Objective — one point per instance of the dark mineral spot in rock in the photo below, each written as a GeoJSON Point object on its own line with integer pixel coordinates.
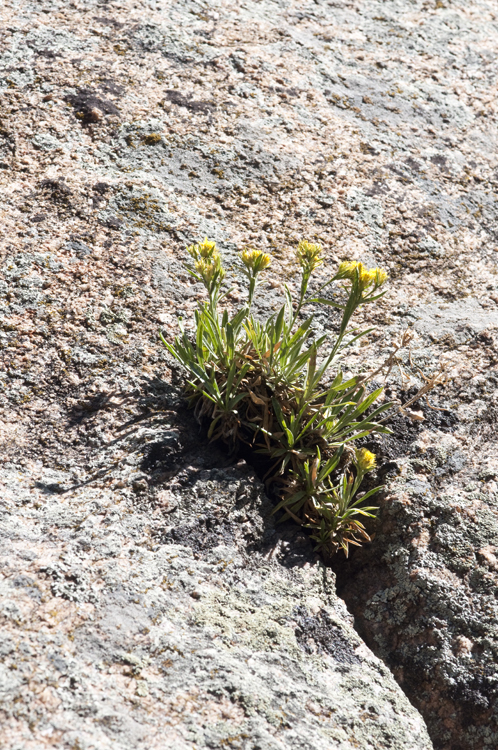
{"type": "Point", "coordinates": [57, 188]}
{"type": "Point", "coordinates": [175, 97]}
{"type": "Point", "coordinates": [413, 164]}
{"type": "Point", "coordinates": [50, 487]}
{"type": "Point", "coordinates": [79, 248]}
{"type": "Point", "coordinates": [100, 188]}
{"type": "Point", "coordinates": [29, 585]}
{"type": "Point", "coordinates": [439, 161]}
{"type": "Point", "coordinates": [86, 101]}
{"type": "Point", "coordinates": [50, 54]}
{"type": "Point", "coordinates": [318, 634]}
{"type": "Point", "coordinates": [112, 222]}
{"type": "Point", "coordinates": [108, 22]}
{"type": "Point", "coordinates": [378, 188]}
{"type": "Point", "coordinates": [207, 532]}
{"type": "Point", "coordinates": [110, 86]}
{"type": "Point", "coordinates": [367, 148]}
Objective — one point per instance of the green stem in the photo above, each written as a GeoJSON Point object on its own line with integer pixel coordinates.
{"type": "Point", "coordinates": [252, 289]}
{"type": "Point", "coordinates": [359, 479]}
{"type": "Point", "coordinates": [352, 305]}
{"type": "Point", "coordinates": [304, 288]}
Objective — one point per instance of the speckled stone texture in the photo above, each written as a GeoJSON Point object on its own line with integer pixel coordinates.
{"type": "Point", "coordinates": [148, 598]}
{"type": "Point", "coordinates": [118, 634]}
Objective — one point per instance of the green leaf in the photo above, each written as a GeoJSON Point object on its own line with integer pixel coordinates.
{"type": "Point", "coordinates": [325, 301]}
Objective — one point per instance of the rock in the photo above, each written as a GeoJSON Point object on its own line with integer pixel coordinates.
{"type": "Point", "coordinates": [167, 501]}
{"type": "Point", "coordinates": [94, 114]}
{"type": "Point", "coordinates": [147, 591]}
{"type": "Point", "coordinates": [140, 485]}
{"type": "Point", "coordinates": [222, 636]}
{"type": "Point", "coordinates": [423, 594]}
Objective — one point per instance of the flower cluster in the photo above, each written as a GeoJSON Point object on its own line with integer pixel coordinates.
{"type": "Point", "coordinates": [255, 260]}
{"type": "Point", "coordinates": [353, 270]}
{"type": "Point", "coordinates": [308, 255]}
{"type": "Point", "coordinates": [206, 249]}
{"type": "Point", "coordinates": [207, 266]}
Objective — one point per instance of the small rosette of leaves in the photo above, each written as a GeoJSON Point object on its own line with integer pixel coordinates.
{"type": "Point", "coordinates": [262, 383]}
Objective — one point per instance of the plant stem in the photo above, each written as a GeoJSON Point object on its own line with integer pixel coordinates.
{"type": "Point", "coordinates": [252, 289]}
{"type": "Point", "coordinates": [304, 288]}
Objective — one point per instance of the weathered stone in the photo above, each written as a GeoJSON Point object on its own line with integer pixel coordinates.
{"type": "Point", "coordinates": [126, 133]}
{"type": "Point", "coordinates": [115, 633]}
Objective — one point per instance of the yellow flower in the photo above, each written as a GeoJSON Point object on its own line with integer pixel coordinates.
{"type": "Point", "coordinates": [255, 260]}
{"type": "Point", "coordinates": [376, 276]}
{"type": "Point", "coordinates": [350, 269]}
{"type": "Point", "coordinates": [380, 276]}
{"type": "Point", "coordinates": [206, 249]}
{"type": "Point", "coordinates": [207, 268]}
{"type": "Point", "coordinates": [365, 460]}
{"type": "Point", "coordinates": [347, 270]}
{"type": "Point", "coordinates": [365, 276]}
{"type": "Point", "coordinates": [308, 255]}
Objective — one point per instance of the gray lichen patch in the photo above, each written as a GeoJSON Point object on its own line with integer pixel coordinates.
{"type": "Point", "coordinates": [145, 210]}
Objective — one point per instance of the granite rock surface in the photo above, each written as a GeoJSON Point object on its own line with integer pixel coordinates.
{"type": "Point", "coordinates": [148, 599]}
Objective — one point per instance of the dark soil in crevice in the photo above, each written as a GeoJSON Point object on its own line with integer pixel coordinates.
{"type": "Point", "coordinates": [318, 634]}
{"type": "Point", "coordinates": [183, 455]}
{"type": "Point", "coordinates": [207, 532]}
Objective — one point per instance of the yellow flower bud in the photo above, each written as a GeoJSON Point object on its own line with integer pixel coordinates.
{"type": "Point", "coordinates": [347, 270]}
{"type": "Point", "coordinates": [207, 268]}
{"type": "Point", "coordinates": [365, 277]}
{"type": "Point", "coordinates": [365, 460]}
{"type": "Point", "coordinates": [206, 249]}
{"type": "Point", "coordinates": [255, 260]}
{"type": "Point", "coordinates": [308, 255]}
{"type": "Point", "coordinates": [380, 276]}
